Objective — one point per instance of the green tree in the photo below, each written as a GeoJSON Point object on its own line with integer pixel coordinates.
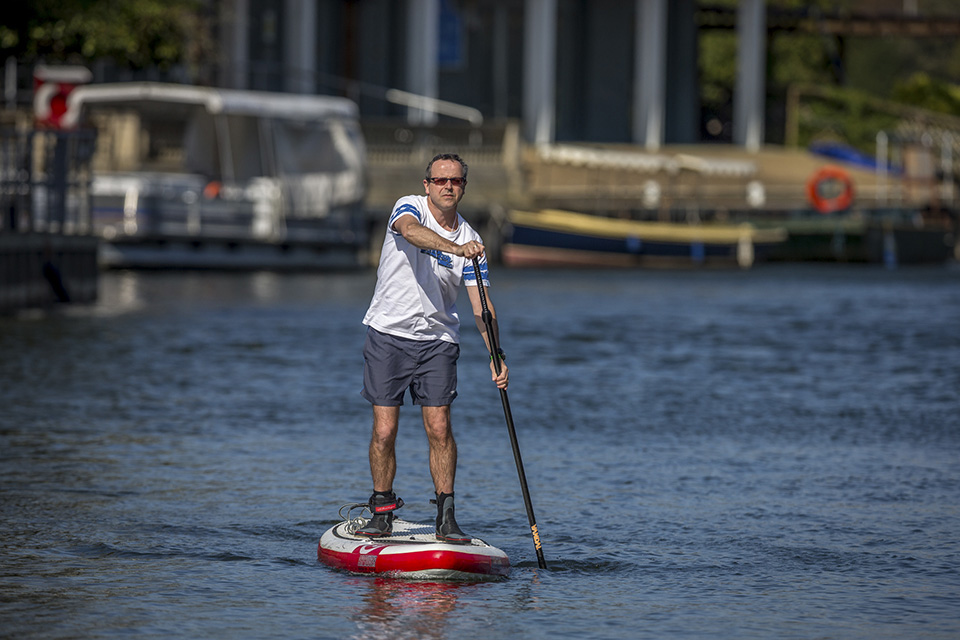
{"type": "Point", "coordinates": [920, 90]}
{"type": "Point", "coordinates": [135, 33]}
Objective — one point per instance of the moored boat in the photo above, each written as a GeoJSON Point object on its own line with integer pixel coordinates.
{"type": "Point", "coordinates": [187, 176]}
{"type": "Point", "coordinates": [564, 238]}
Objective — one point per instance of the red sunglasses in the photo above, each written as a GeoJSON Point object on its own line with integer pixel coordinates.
{"type": "Point", "coordinates": [457, 182]}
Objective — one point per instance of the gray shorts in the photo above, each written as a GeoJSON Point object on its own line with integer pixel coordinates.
{"type": "Point", "coordinates": [391, 365]}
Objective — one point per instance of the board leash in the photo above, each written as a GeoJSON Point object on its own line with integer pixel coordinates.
{"type": "Point", "coordinates": [487, 318]}
{"type": "Point", "coordinates": [358, 522]}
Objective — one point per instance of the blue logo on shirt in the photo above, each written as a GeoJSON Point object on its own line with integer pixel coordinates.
{"type": "Point", "coordinates": [442, 259]}
{"type": "Point", "coordinates": [469, 275]}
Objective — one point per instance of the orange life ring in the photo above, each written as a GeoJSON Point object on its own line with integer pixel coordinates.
{"type": "Point", "coordinates": [839, 201]}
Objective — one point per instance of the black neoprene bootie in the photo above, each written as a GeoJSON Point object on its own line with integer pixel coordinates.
{"type": "Point", "coordinates": [382, 505]}
{"type": "Point", "coordinates": [447, 529]}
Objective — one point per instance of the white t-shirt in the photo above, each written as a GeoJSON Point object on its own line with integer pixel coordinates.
{"type": "Point", "coordinates": [416, 293]}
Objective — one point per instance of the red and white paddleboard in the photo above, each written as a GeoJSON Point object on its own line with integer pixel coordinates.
{"type": "Point", "coordinates": [412, 552]}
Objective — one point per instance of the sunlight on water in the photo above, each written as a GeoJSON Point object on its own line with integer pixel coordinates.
{"type": "Point", "coordinates": [724, 454]}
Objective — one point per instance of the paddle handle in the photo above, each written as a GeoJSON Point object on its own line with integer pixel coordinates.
{"type": "Point", "coordinates": [487, 318]}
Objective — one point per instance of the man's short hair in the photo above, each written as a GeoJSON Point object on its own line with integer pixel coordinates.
{"type": "Point", "coordinates": [446, 156]}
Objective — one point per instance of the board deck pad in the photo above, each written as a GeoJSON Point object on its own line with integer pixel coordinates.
{"type": "Point", "coordinates": [412, 552]}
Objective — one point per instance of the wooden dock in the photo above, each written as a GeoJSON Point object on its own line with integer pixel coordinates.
{"type": "Point", "coordinates": [41, 270]}
{"type": "Point", "coordinates": [48, 253]}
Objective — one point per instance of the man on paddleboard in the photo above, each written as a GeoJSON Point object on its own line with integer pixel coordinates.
{"type": "Point", "coordinates": [413, 336]}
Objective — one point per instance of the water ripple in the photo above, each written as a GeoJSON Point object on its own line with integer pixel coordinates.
{"type": "Point", "coordinates": [771, 453]}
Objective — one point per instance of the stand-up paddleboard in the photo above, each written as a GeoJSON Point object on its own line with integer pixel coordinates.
{"type": "Point", "coordinates": [411, 552]}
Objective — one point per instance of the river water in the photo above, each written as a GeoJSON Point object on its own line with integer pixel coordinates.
{"type": "Point", "coordinates": [710, 453]}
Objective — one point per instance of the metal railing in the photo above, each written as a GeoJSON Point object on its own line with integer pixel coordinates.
{"type": "Point", "coordinates": [45, 179]}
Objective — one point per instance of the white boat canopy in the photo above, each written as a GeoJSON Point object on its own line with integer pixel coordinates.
{"type": "Point", "coordinates": [215, 101]}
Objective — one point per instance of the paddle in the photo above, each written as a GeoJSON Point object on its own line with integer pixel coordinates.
{"type": "Point", "coordinates": [487, 318]}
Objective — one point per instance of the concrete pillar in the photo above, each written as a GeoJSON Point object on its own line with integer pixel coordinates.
{"type": "Point", "coordinates": [236, 52]}
{"type": "Point", "coordinates": [649, 73]}
{"type": "Point", "coordinates": [682, 103]}
{"type": "Point", "coordinates": [749, 94]}
{"type": "Point", "coordinates": [501, 61]}
{"type": "Point", "coordinates": [423, 42]}
{"type": "Point", "coordinates": [539, 70]}
{"type": "Point", "coordinates": [300, 46]}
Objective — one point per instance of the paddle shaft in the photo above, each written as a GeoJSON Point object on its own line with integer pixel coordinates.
{"type": "Point", "coordinates": [487, 318]}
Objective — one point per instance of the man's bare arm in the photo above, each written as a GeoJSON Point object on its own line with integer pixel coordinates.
{"type": "Point", "coordinates": [423, 238]}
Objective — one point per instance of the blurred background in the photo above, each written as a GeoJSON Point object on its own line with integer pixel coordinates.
{"type": "Point", "coordinates": [247, 134]}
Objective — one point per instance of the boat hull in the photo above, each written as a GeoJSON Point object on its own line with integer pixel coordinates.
{"type": "Point", "coordinates": [560, 238]}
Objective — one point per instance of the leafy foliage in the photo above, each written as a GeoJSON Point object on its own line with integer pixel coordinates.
{"type": "Point", "coordinates": [137, 33]}
{"type": "Point", "coordinates": [843, 115]}
{"type": "Point", "coordinates": [923, 91]}
{"type": "Point", "coordinates": [852, 74]}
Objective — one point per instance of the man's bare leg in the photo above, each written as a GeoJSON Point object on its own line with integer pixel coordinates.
{"type": "Point", "coordinates": [443, 447]}
{"type": "Point", "coordinates": [383, 468]}
{"type": "Point", "coordinates": [443, 468]}
{"type": "Point", "coordinates": [383, 455]}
